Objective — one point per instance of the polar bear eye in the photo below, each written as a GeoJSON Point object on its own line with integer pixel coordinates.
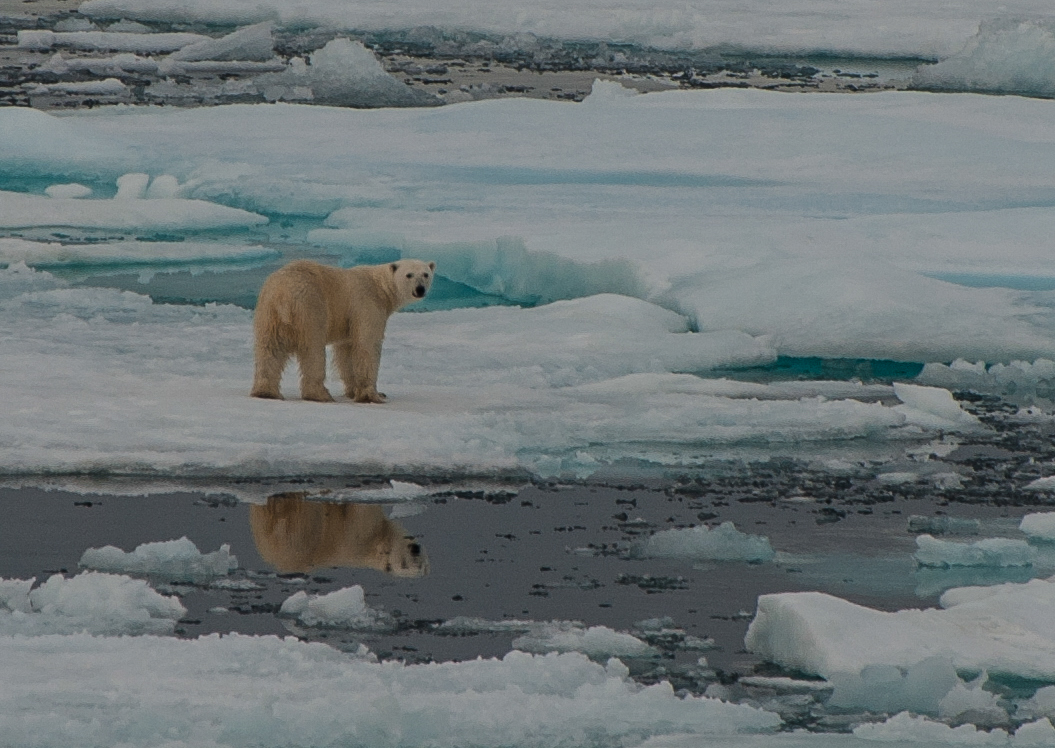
{"type": "Point", "coordinates": [410, 275]}
{"type": "Point", "coordinates": [426, 275]}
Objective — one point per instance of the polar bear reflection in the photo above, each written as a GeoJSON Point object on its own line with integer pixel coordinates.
{"type": "Point", "coordinates": [296, 535]}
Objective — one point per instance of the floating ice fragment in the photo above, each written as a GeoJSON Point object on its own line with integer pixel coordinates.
{"type": "Point", "coordinates": [173, 560]}
{"type": "Point", "coordinates": [596, 642]}
{"type": "Point", "coordinates": [723, 543]}
{"type": "Point", "coordinates": [919, 688]}
{"type": "Point", "coordinates": [345, 609]}
{"type": "Point", "coordinates": [106, 87]}
{"type": "Point", "coordinates": [252, 43]}
{"type": "Point", "coordinates": [943, 525]}
{"type": "Point", "coordinates": [107, 40]}
{"type": "Point", "coordinates": [998, 552]}
{"type": "Point", "coordinates": [605, 91]}
{"type": "Point", "coordinates": [90, 602]}
{"type": "Point", "coordinates": [972, 703]}
{"type": "Point", "coordinates": [933, 407]}
{"type": "Point", "coordinates": [1039, 733]}
{"type": "Point", "coordinates": [1039, 525]}
{"type": "Point", "coordinates": [1004, 629]}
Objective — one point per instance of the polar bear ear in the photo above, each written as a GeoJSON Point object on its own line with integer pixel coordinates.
{"type": "Point", "coordinates": [394, 266]}
{"type": "Point", "coordinates": [432, 266]}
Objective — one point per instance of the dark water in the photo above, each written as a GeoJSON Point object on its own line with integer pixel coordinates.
{"type": "Point", "coordinates": [535, 552]}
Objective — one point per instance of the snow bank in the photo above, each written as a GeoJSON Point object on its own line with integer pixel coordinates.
{"type": "Point", "coordinates": [90, 602]}
{"type": "Point", "coordinates": [900, 28]}
{"type": "Point", "coordinates": [596, 642]}
{"type": "Point", "coordinates": [19, 210]}
{"type": "Point", "coordinates": [1007, 55]}
{"type": "Point", "coordinates": [1039, 525]}
{"type": "Point", "coordinates": [48, 255]}
{"type": "Point", "coordinates": [173, 560]}
{"type": "Point", "coordinates": [344, 609]}
{"type": "Point", "coordinates": [263, 691]}
{"type": "Point", "coordinates": [1004, 629]}
{"type": "Point", "coordinates": [723, 543]}
{"type": "Point", "coordinates": [997, 552]}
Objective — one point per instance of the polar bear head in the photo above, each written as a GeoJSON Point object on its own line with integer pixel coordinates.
{"type": "Point", "coordinates": [413, 278]}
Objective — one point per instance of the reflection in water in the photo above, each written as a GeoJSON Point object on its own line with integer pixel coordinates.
{"type": "Point", "coordinates": [296, 535]}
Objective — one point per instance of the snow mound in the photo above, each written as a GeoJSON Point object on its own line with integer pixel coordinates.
{"type": "Point", "coordinates": [343, 609]}
{"type": "Point", "coordinates": [1007, 55]}
{"type": "Point", "coordinates": [995, 552]}
{"type": "Point", "coordinates": [89, 602]}
{"type": "Point", "coordinates": [1004, 629]}
{"type": "Point", "coordinates": [1039, 525]}
{"type": "Point", "coordinates": [172, 560]}
{"type": "Point", "coordinates": [723, 543]}
{"type": "Point", "coordinates": [596, 642]}
{"type": "Point", "coordinates": [264, 691]}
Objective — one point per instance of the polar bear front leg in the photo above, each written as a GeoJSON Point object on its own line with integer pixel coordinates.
{"type": "Point", "coordinates": [358, 366]}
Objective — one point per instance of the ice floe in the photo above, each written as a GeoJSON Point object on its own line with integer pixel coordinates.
{"type": "Point", "coordinates": [1003, 629]}
{"type": "Point", "coordinates": [172, 560]}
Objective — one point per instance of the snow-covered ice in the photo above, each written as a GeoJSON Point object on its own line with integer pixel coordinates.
{"type": "Point", "coordinates": [172, 560]}
{"type": "Point", "coordinates": [246, 690]}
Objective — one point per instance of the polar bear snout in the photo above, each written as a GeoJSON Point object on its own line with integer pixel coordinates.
{"type": "Point", "coordinates": [419, 292]}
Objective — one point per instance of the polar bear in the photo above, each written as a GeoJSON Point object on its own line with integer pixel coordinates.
{"type": "Point", "coordinates": [305, 306]}
{"type": "Point", "coordinates": [294, 534]}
